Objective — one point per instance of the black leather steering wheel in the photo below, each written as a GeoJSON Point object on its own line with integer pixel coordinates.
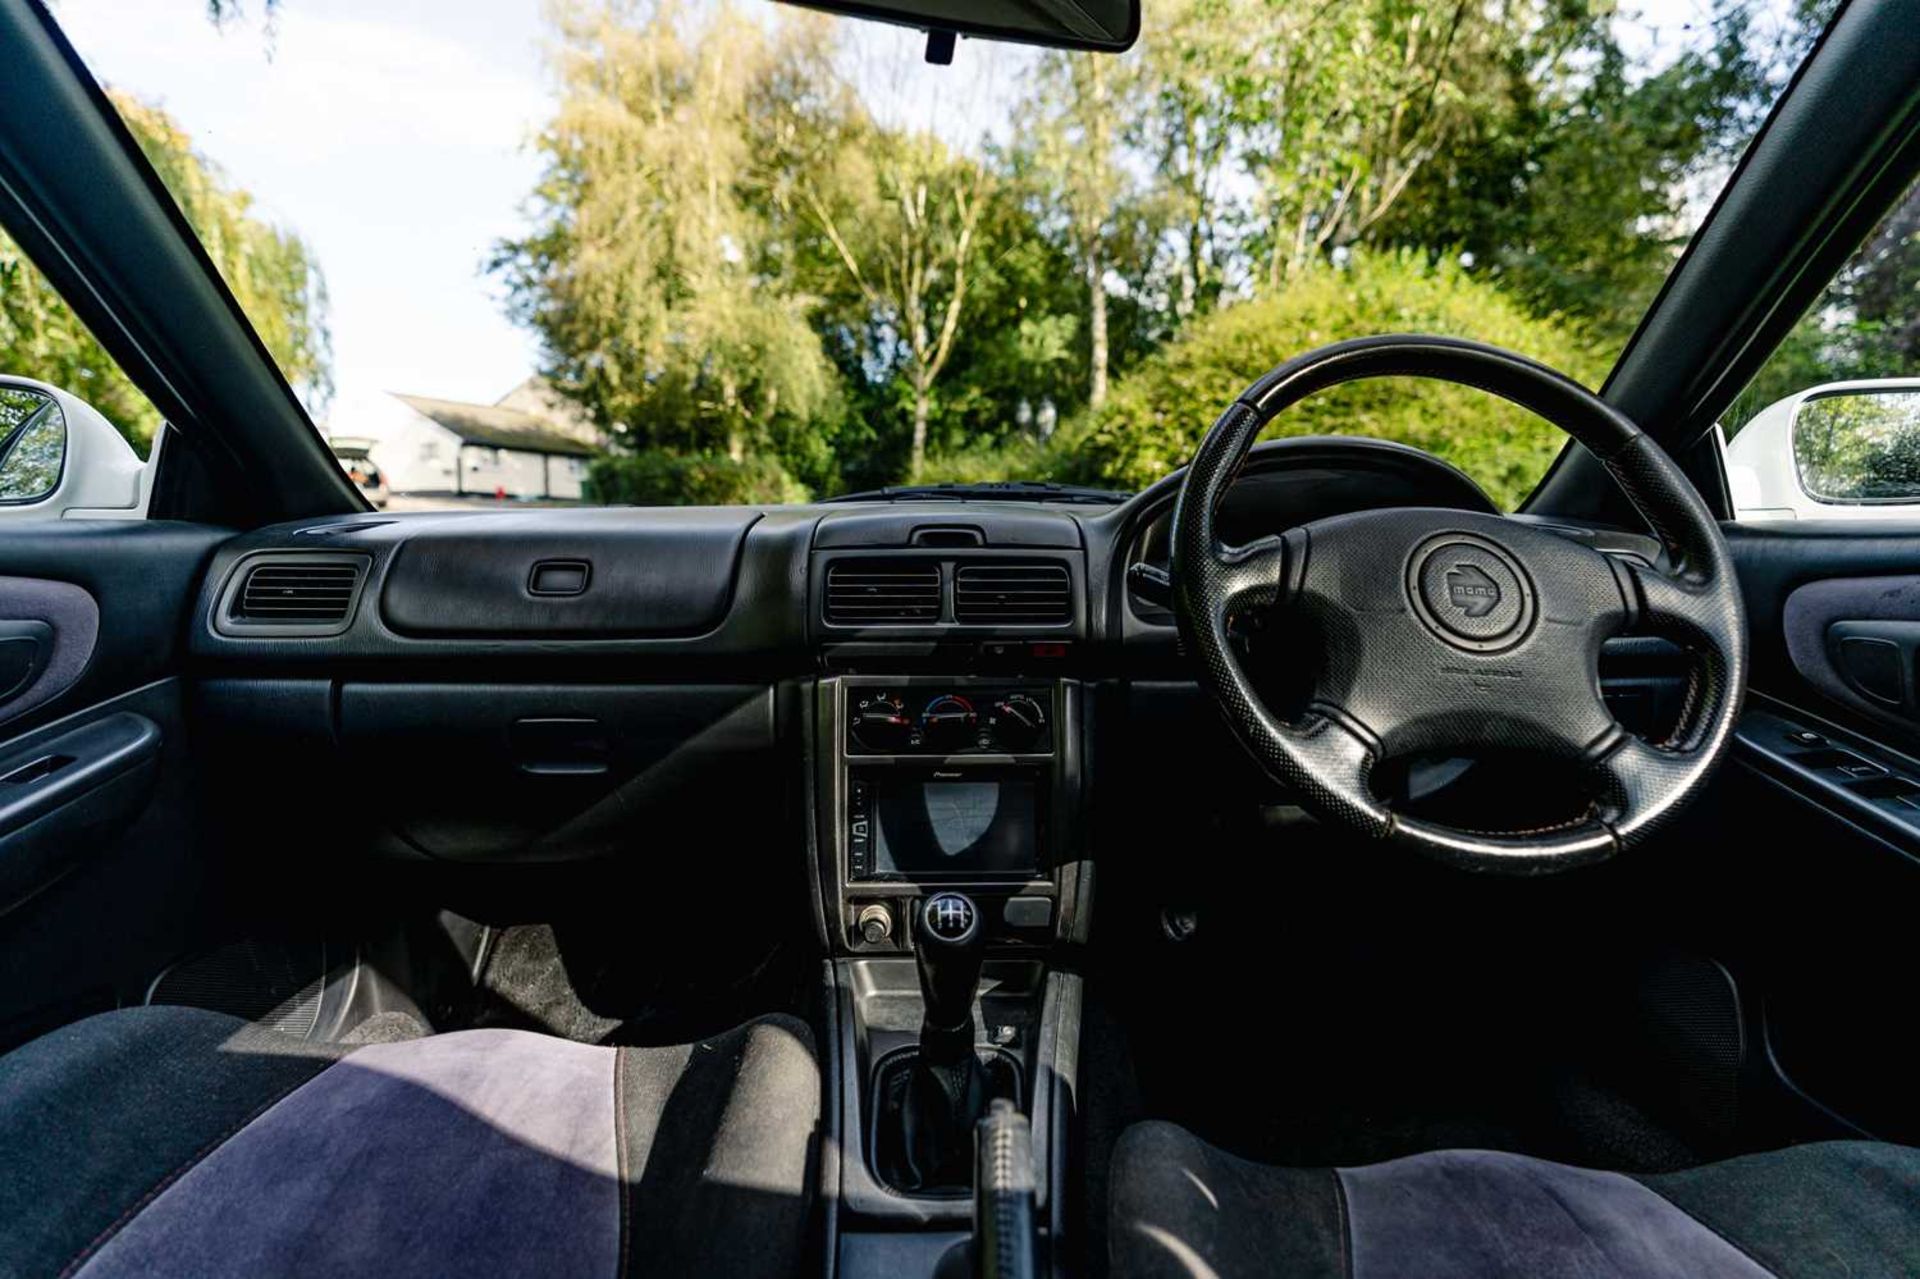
{"type": "Point", "coordinates": [1450, 630]}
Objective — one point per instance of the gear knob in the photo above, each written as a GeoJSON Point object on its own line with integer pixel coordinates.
{"type": "Point", "coordinates": [949, 941]}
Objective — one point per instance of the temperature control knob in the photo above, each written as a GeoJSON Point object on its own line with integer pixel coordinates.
{"type": "Point", "coordinates": [880, 723]}
{"type": "Point", "coordinates": [948, 723]}
{"type": "Point", "coordinates": [1018, 722]}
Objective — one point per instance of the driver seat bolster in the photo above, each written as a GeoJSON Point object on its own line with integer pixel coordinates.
{"type": "Point", "coordinates": [1181, 1207]}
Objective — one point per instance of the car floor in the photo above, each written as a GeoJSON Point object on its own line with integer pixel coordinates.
{"type": "Point", "coordinates": [577, 982]}
{"type": "Point", "coordinates": [433, 972]}
{"type": "Point", "coordinates": [1329, 1006]}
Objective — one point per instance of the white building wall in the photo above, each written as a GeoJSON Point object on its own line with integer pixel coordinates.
{"type": "Point", "coordinates": [416, 454]}
{"type": "Point", "coordinates": [487, 471]}
{"type": "Point", "coordinates": [569, 476]}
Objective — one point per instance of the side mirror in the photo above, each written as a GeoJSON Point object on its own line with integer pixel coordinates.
{"type": "Point", "coordinates": [33, 445]}
{"type": "Point", "coordinates": [1844, 450]}
{"type": "Point", "coordinates": [59, 457]}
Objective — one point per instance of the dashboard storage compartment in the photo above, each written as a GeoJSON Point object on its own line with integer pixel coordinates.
{"type": "Point", "coordinates": [552, 772]}
{"type": "Point", "coordinates": [616, 574]}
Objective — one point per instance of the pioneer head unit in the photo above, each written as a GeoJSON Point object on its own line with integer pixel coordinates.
{"type": "Point", "coordinates": [931, 782]}
{"type": "Point", "coordinates": [960, 824]}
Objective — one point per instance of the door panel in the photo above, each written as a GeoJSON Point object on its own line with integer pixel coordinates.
{"type": "Point", "coordinates": [63, 789]}
{"type": "Point", "coordinates": [103, 877]}
{"type": "Point", "coordinates": [1820, 823]}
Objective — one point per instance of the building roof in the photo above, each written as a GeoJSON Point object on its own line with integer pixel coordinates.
{"type": "Point", "coordinates": [541, 398]}
{"type": "Point", "coordinates": [493, 427]}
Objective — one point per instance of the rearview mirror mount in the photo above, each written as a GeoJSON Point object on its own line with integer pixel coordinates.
{"type": "Point", "coordinates": [1102, 26]}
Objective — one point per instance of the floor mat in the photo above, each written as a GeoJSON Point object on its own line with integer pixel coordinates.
{"type": "Point", "coordinates": [1382, 1062]}
{"type": "Point", "coordinates": [274, 984]}
{"type": "Point", "coordinates": [525, 984]}
{"type": "Point", "coordinates": [389, 1027]}
{"type": "Point", "coordinates": [585, 982]}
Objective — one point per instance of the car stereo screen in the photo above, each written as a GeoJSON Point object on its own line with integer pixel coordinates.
{"type": "Point", "coordinates": [961, 828]}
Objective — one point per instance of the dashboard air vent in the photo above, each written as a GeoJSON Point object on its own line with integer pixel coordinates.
{"type": "Point", "coordinates": [1001, 594]}
{"type": "Point", "coordinates": [883, 592]}
{"type": "Point", "coordinates": [305, 592]}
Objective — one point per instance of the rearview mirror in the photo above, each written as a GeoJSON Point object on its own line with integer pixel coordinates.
{"type": "Point", "coordinates": [1108, 26]}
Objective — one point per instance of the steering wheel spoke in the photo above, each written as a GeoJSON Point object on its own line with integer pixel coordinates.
{"type": "Point", "coordinates": [1642, 784]}
{"type": "Point", "coordinates": [1679, 609]}
{"type": "Point", "coordinates": [1700, 617]}
{"type": "Point", "coordinates": [1332, 764]}
{"type": "Point", "coordinates": [1252, 577]}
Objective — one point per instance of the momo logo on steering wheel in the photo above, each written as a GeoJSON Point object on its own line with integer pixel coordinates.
{"type": "Point", "coordinates": [1471, 591]}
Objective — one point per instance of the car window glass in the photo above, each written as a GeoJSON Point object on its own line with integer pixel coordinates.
{"type": "Point", "coordinates": [42, 339]}
{"type": "Point", "coordinates": [1830, 426]}
{"type": "Point", "coordinates": [1865, 325]}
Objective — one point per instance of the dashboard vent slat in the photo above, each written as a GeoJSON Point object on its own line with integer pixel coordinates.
{"type": "Point", "coordinates": [883, 592]}
{"type": "Point", "coordinates": [306, 593]}
{"type": "Point", "coordinates": [1001, 594]}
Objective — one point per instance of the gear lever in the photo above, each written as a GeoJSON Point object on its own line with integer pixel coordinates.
{"type": "Point", "coordinates": [949, 944]}
{"type": "Point", "coordinates": [946, 1088]}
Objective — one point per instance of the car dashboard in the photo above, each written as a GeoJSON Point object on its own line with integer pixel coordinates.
{"type": "Point", "coordinates": [555, 685]}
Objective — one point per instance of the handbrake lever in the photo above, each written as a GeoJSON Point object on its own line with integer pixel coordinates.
{"type": "Point", "coordinates": [1005, 1243]}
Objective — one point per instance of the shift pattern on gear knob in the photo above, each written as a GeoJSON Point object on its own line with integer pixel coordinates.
{"type": "Point", "coordinates": [951, 917]}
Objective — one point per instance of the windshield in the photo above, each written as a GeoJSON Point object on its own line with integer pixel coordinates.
{"type": "Point", "coordinates": [608, 251]}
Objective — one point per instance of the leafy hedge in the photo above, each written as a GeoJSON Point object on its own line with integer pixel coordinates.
{"type": "Point", "coordinates": [1159, 411]}
{"type": "Point", "coordinates": [1017, 459]}
{"type": "Point", "coordinates": [659, 478]}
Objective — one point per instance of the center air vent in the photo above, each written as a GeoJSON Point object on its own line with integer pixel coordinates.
{"type": "Point", "coordinates": [883, 592]}
{"type": "Point", "coordinates": [1002, 594]}
{"type": "Point", "coordinates": [308, 594]}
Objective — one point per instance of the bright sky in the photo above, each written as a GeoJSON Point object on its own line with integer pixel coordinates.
{"type": "Point", "coordinates": [392, 136]}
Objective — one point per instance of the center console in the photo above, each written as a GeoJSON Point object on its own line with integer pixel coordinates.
{"type": "Point", "coordinates": [965, 783]}
{"type": "Point", "coordinates": [948, 834]}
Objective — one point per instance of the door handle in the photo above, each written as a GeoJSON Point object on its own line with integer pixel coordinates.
{"type": "Point", "coordinates": [24, 647]}
{"type": "Point", "coordinates": [1876, 659]}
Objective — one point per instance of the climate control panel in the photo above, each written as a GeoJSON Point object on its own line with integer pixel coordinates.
{"type": "Point", "coordinates": [919, 720]}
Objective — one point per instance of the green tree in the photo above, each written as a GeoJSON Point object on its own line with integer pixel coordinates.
{"type": "Point", "coordinates": [1073, 154]}
{"type": "Point", "coordinates": [1020, 358]}
{"type": "Point", "coordinates": [271, 272]}
{"type": "Point", "coordinates": [903, 216]}
{"type": "Point", "coordinates": [1865, 325]}
{"type": "Point", "coordinates": [650, 277]}
{"type": "Point", "coordinates": [1346, 105]}
{"type": "Point", "coordinates": [1181, 95]}
{"type": "Point", "coordinates": [1159, 411]}
{"type": "Point", "coordinates": [1569, 173]}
